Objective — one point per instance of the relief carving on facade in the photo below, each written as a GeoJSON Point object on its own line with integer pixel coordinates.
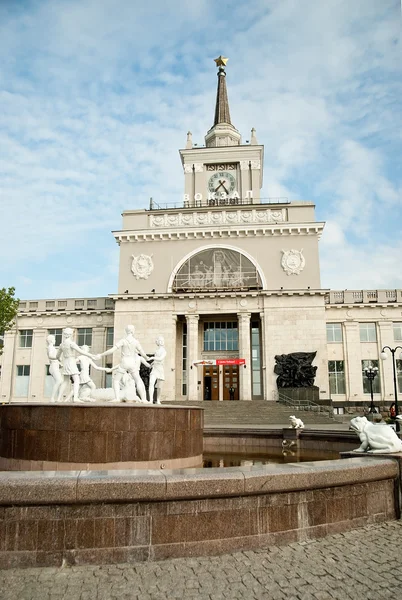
{"type": "Point", "coordinates": [188, 168]}
{"type": "Point", "coordinates": [198, 167]}
{"type": "Point", "coordinates": [255, 164]}
{"type": "Point", "coordinates": [244, 165]}
{"type": "Point", "coordinates": [293, 261]}
{"type": "Point", "coordinates": [214, 217]}
{"type": "Point", "coordinates": [222, 167]}
{"type": "Point", "coordinates": [142, 266]}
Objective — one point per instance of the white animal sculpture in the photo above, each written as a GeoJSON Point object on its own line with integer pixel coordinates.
{"type": "Point", "coordinates": [375, 437]}
{"type": "Point", "coordinates": [295, 423]}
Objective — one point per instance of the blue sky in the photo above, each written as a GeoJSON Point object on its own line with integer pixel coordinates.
{"type": "Point", "coordinates": [96, 98]}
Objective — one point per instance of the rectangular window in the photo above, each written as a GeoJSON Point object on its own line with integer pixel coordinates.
{"type": "Point", "coordinates": [397, 332]}
{"type": "Point", "coordinates": [58, 334]}
{"type": "Point", "coordinates": [336, 372]}
{"type": "Point", "coordinates": [256, 358]}
{"type": "Point", "coordinates": [221, 336]}
{"type": "Point", "coordinates": [108, 376]}
{"type": "Point", "coordinates": [49, 382]}
{"type": "Point", "coordinates": [334, 332]}
{"type": "Point", "coordinates": [26, 338]}
{"type": "Point", "coordinates": [84, 336]}
{"type": "Point", "coordinates": [109, 336]}
{"type": "Point", "coordinates": [376, 380]}
{"type": "Point", "coordinates": [399, 373]}
{"type": "Point", "coordinates": [22, 381]}
{"type": "Point", "coordinates": [368, 332]}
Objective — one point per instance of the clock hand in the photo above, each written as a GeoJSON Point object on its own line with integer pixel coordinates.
{"type": "Point", "coordinates": [221, 184]}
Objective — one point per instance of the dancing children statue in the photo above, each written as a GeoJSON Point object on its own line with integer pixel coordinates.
{"type": "Point", "coordinates": [66, 352]}
{"type": "Point", "coordinates": [157, 375]}
{"type": "Point", "coordinates": [129, 363]}
{"type": "Point", "coordinates": [86, 384]}
{"type": "Point", "coordinates": [54, 367]}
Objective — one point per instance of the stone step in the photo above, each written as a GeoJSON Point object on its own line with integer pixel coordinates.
{"type": "Point", "coordinates": [254, 413]}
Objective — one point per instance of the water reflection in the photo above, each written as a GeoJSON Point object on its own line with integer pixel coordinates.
{"type": "Point", "coordinates": [274, 455]}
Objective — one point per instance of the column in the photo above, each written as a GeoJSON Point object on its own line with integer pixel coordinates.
{"type": "Point", "coordinates": [353, 364]}
{"type": "Point", "coordinates": [244, 352]}
{"type": "Point", "coordinates": [263, 352]}
{"type": "Point", "coordinates": [8, 374]}
{"type": "Point", "coordinates": [386, 338]}
{"type": "Point", "coordinates": [39, 361]}
{"type": "Point", "coordinates": [192, 355]}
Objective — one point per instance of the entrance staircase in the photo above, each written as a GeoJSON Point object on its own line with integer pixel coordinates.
{"type": "Point", "coordinates": [256, 412]}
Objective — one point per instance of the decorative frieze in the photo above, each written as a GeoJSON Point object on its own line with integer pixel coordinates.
{"type": "Point", "coordinates": [222, 167]}
{"type": "Point", "coordinates": [223, 217]}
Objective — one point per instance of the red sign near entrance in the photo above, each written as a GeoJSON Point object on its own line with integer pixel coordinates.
{"type": "Point", "coordinates": [230, 361]}
{"type": "Point", "coordinates": [220, 361]}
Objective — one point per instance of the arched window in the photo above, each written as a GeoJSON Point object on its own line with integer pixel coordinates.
{"type": "Point", "coordinates": [217, 269]}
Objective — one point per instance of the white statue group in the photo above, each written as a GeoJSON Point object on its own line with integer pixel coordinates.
{"type": "Point", "coordinates": [126, 380]}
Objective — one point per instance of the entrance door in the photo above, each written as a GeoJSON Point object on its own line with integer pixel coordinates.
{"type": "Point", "coordinates": [231, 382]}
{"type": "Point", "coordinates": [211, 383]}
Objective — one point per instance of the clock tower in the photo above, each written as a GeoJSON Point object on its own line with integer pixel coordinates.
{"type": "Point", "coordinates": [224, 171]}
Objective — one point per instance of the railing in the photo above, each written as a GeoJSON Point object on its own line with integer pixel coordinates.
{"type": "Point", "coordinates": [218, 202]}
{"type": "Point", "coordinates": [363, 296]}
{"type": "Point", "coordinates": [306, 405]}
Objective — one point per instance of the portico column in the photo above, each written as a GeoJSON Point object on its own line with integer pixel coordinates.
{"type": "Point", "coordinates": [244, 352]}
{"type": "Point", "coordinates": [192, 355]}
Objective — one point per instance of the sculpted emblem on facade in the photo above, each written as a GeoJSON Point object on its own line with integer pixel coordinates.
{"type": "Point", "coordinates": [293, 261]}
{"type": "Point", "coordinates": [142, 266]}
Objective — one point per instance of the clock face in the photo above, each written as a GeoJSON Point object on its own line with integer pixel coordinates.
{"type": "Point", "coordinates": [222, 182]}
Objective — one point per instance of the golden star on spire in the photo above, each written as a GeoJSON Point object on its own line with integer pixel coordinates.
{"type": "Point", "coordinates": [221, 61]}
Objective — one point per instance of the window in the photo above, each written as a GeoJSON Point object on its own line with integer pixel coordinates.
{"type": "Point", "coordinates": [336, 372]}
{"type": "Point", "coordinates": [398, 332]}
{"type": "Point", "coordinates": [22, 381]}
{"type": "Point", "coordinates": [399, 373]}
{"type": "Point", "coordinates": [334, 332]}
{"type": "Point", "coordinates": [184, 361]}
{"type": "Point", "coordinates": [217, 268]}
{"type": "Point", "coordinates": [84, 336]}
{"type": "Point", "coordinates": [26, 338]}
{"type": "Point", "coordinates": [256, 358]}
{"type": "Point", "coordinates": [376, 380]}
{"type": "Point", "coordinates": [109, 336]}
{"type": "Point", "coordinates": [368, 332]}
{"type": "Point", "coordinates": [221, 336]}
{"type": "Point", "coordinates": [49, 382]}
{"type": "Point", "coordinates": [58, 334]}
{"type": "Point", "coordinates": [108, 376]}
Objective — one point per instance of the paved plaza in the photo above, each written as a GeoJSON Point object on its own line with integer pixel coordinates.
{"type": "Point", "coordinates": [364, 564]}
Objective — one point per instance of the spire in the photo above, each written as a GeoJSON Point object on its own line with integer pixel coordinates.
{"type": "Point", "coordinates": [222, 113]}
{"type": "Point", "coordinates": [222, 132]}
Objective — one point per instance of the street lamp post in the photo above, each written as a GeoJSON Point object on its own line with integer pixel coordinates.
{"type": "Point", "coordinates": [371, 373]}
{"type": "Point", "coordinates": [384, 356]}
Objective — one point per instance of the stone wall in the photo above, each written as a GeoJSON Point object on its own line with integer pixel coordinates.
{"type": "Point", "coordinates": [104, 517]}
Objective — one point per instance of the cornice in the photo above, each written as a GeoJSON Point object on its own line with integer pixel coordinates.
{"type": "Point", "coordinates": [303, 229]}
{"type": "Point", "coordinates": [218, 294]}
{"type": "Point", "coordinates": [63, 313]}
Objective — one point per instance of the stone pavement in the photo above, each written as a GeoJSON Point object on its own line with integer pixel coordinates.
{"type": "Point", "coordinates": [364, 564]}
